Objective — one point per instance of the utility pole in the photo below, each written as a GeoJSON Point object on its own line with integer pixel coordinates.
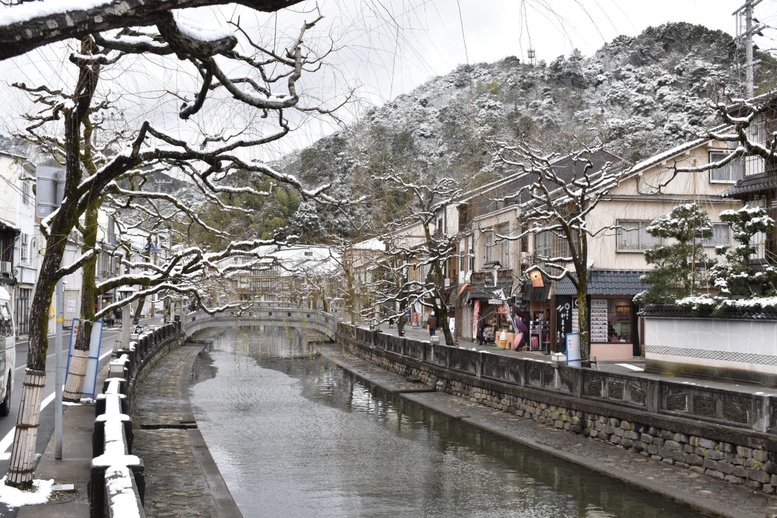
{"type": "Point", "coordinates": [745, 31]}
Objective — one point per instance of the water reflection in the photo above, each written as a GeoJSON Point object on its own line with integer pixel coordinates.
{"type": "Point", "coordinates": [294, 435]}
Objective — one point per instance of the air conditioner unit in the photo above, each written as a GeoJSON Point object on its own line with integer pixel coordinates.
{"type": "Point", "coordinates": [5, 267]}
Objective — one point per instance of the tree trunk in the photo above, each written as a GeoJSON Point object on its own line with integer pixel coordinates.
{"type": "Point", "coordinates": [583, 318]}
{"type": "Point", "coordinates": [22, 461]}
{"type": "Point", "coordinates": [78, 364]}
{"type": "Point", "coordinates": [26, 435]}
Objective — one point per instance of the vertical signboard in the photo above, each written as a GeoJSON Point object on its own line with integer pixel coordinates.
{"type": "Point", "coordinates": [95, 342]}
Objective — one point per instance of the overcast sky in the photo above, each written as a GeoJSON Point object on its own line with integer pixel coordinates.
{"type": "Point", "coordinates": [385, 48]}
{"type": "Point", "coordinates": [436, 36]}
{"type": "Point", "coordinates": [391, 47]}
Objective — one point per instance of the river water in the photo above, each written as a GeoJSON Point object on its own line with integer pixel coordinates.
{"type": "Point", "coordinates": [296, 436]}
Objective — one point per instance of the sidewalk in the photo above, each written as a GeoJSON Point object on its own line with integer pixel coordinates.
{"type": "Point", "coordinates": [181, 477]}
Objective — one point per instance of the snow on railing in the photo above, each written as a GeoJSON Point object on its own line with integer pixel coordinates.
{"type": "Point", "coordinates": [117, 484]}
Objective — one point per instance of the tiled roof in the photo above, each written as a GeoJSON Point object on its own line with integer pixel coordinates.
{"type": "Point", "coordinates": [607, 282]}
{"type": "Point", "coordinates": [672, 311]}
{"type": "Point", "coordinates": [752, 184]}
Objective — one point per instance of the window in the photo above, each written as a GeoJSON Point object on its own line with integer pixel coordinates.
{"type": "Point", "coordinates": [611, 320]}
{"type": "Point", "coordinates": [111, 231]}
{"type": "Point", "coordinates": [721, 235]}
{"type": "Point", "coordinates": [550, 244]}
{"type": "Point", "coordinates": [505, 259]}
{"type": "Point", "coordinates": [24, 247]}
{"type": "Point", "coordinates": [542, 244]}
{"type": "Point", "coordinates": [488, 255]}
{"type": "Point", "coordinates": [632, 236]}
{"type": "Point", "coordinates": [729, 173]}
{"type": "Point", "coordinates": [504, 249]}
{"type": "Point", "coordinates": [26, 192]}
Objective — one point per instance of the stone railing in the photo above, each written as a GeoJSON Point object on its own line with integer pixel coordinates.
{"type": "Point", "coordinates": [724, 432]}
{"type": "Point", "coordinates": [117, 484]}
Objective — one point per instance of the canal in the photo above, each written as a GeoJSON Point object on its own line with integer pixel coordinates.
{"type": "Point", "coordinates": [296, 436]}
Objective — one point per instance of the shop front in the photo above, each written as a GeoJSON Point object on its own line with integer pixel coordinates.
{"type": "Point", "coordinates": [536, 306]}
{"type": "Point", "coordinates": [613, 314]}
{"type": "Point", "coordinates": [488, 299]}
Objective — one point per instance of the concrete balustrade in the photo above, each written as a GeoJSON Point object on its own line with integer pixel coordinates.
{"type": "Point", "coordinates": [117, 484]}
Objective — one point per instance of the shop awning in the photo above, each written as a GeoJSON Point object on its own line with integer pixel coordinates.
{"type": "Point", "coordinates": [6, 227]}
{"type": "Point", "coordinates": [536, 294]}
{"type": "Point", "coordinates": [607, 282]}
{"type": "Point", "coordinates": [487, 290]}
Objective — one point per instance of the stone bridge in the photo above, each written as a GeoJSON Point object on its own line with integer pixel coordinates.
{"type": "Point", "coordinates": [278, 314]}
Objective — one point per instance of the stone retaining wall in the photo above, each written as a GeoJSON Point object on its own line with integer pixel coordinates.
{"type": "Point", "coordinates": [721, 433]}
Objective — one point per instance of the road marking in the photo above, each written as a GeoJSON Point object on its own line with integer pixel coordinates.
{"type": "Point", "coordinates": [632, 367]}
{"type": "Point", "coordinates": [7, 441]}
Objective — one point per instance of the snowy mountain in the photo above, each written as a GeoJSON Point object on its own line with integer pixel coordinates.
{"type": "Point", "coordinates": [636, 96]}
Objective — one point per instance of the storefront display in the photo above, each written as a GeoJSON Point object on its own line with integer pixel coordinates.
{"type": "Point", "coordinates": [611, 320]}
{"type": "Point", "coordinates": [599, 320]}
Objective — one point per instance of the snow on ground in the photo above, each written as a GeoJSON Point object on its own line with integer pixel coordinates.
{"type": "Point", "coordinates": [13, 497]}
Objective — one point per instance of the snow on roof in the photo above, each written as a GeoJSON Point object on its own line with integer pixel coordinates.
{"type": "Point", "coordinates": [670, 153]}
{"type": "Point", "coordinates": [374, 243]}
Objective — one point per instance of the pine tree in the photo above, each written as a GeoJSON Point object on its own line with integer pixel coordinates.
{"type": "Point", "coordinates": [680, 262]}
{"type": "Point", "coordinates": [738, 276]}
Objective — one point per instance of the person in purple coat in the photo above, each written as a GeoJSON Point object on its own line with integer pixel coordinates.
{"type": "Point", "coordinates": [521, 331]}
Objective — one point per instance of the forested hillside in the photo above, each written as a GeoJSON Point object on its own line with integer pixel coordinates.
{"type": "Point", "coordinates": [636, 96]}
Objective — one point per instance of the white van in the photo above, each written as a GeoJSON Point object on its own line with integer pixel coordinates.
{"type": "Point", "coordinates": [7, 351]}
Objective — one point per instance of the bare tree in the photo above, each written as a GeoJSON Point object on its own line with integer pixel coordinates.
{"type": "Point", "coordinates": [263, 79]}
{"type": "Point", "coordinates": [418, 241]}
{"type": "Point", "coordinates": [559, 193]}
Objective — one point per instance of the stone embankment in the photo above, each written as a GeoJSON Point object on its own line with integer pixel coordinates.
{"type": "Point", "coordinates": [711, 434]}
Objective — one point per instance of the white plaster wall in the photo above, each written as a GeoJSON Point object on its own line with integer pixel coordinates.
{"type": "Point", "coordinates": [740, 344]}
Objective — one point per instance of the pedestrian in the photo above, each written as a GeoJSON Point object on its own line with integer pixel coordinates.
{"type": "Point", "coordinates": [481, 331]}
{"type": "Point", "coordinates": [521, 331]}
{"type": "Point", "coordinates": [401, 325]}
{"type": "Point", "coordinates": [432, 324]}
{"type": "Point", "coordinates": [391, 322]}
